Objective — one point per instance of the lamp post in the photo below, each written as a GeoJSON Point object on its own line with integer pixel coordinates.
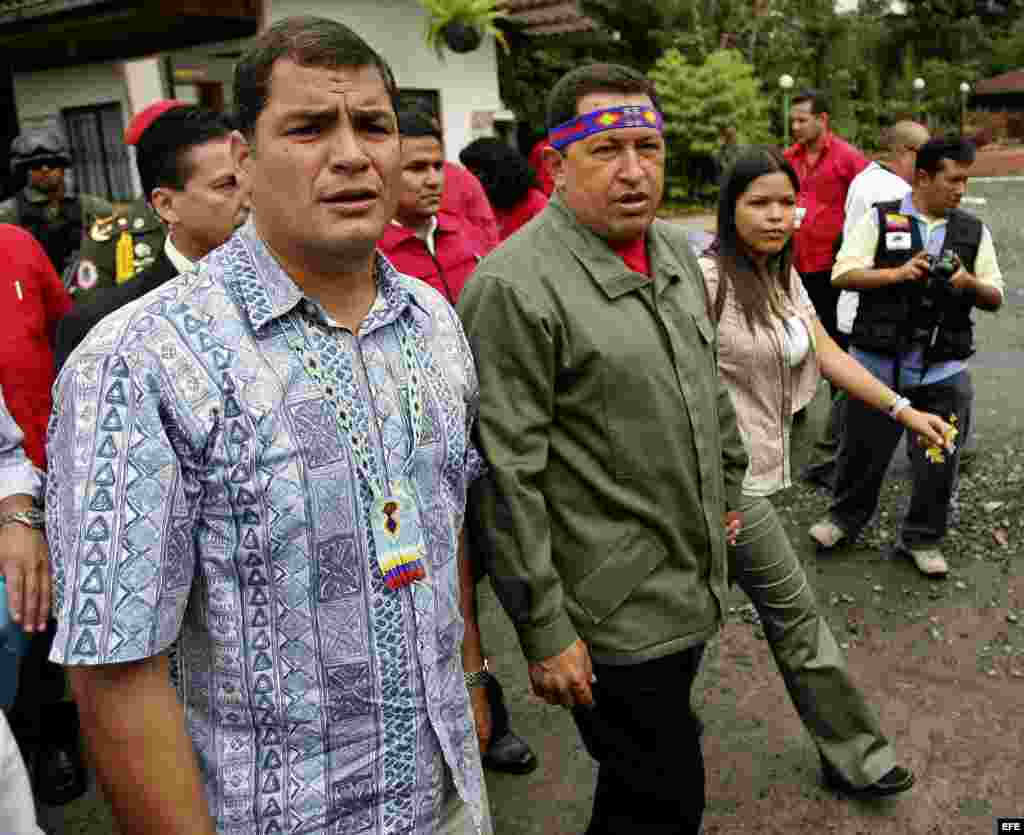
{"type": "Point", "coordinates": [786, 83]}
{"type": "Point", "coordinates": [965, 88]}
{"type": "Point", "coordinates": [918, 92]}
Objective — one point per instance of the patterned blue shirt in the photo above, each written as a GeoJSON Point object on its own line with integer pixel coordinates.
{"type": "Point", "coordinates": [200, 487]}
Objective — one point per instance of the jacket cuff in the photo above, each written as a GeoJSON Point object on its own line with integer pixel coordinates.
{"type": "Point", "coordinates": [734, 496]}
{"type": "Point", "coordinates": [549, 640]}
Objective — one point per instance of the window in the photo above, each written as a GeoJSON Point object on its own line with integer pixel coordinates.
{"type": "Point", "coordinates": [100, 160]}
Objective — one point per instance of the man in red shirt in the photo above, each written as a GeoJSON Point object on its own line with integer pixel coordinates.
{"type": "Point", "coordinates": [826, 165]}
{"type": "Point", "coordinates": [439, 247]}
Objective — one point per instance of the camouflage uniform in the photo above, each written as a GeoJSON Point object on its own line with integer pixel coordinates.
{"type": "Point", "coordinates": [116, 250]}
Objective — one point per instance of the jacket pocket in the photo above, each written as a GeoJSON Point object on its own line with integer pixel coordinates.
{"type": "Point", "coordinates": [628, 562]}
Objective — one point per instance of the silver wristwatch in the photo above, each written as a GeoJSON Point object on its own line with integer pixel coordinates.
{"type": "Point", "coordinates": [34, 519]}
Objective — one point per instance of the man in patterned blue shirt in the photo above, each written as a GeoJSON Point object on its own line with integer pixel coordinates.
{"type": "Point", "coordinates": [268, 460]}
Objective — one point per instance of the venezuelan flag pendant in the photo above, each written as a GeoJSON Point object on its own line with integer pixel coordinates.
{"type": "Point", "coordinates": [398, 539]}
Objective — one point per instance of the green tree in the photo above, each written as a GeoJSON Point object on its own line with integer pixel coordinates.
{"type": "Point", "coordinates": [699, 101]}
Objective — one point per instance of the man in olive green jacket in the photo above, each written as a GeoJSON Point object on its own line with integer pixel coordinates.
{"type": "Point", "coordinates": [613, 452]}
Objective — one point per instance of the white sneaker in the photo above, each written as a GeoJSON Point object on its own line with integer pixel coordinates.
{"type": "Point", "coordinates": [827, 533]}
{"type": "Point", "coordinates": [929, 561]}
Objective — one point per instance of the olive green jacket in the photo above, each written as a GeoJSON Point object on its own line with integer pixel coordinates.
{"type": "Point", "coordinates": [611, 441]}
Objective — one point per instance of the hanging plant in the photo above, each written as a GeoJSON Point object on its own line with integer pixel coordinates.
{"type": "Point", "coordinates": [460, 25]}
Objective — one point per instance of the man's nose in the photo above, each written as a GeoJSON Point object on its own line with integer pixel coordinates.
{"type": "Point", "coordinates": [629, 165]}
{"type": "Point", "coordinates": [346, 149]}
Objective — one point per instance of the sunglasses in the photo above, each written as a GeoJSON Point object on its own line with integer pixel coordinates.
{"type": "Point", "coordinates": [46, 162]}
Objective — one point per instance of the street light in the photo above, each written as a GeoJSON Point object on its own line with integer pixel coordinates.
{"type": "Point", "coordinates": [786, 83]}
{"type": "Point", "coordinates": [965, 88]}
{"type": "Point", "coordinates": [918, 92]}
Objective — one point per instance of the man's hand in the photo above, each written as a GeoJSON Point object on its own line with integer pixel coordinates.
{"type": "Point", "coordinates": [25, 564]}
{"type": "Point", "coordinates": [733, 525]}
{"type": "Point", "coordinates": [565, 679]}
{"type": "Point", "coordinates": [481, 716]}
{"type": "Point", "coordinates": [915, 269]}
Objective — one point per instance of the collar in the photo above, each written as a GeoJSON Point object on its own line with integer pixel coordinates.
{"type": "Point", "coordinates": [801, 149]}
{"type": "Point", "coordinates": [34, 195]}
{"type": "Point", "coordinates": [605, 266]}
{"type": "Point", "coordinates": [907, 207]}
{"type": "Point", "coordinates": [269, 293]}
{"type": "Point", "coordinates": [181, 263]}
{"type": "Point", "coordinates": [400, 232]}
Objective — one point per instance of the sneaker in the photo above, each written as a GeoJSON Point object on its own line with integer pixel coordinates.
{"type": "Point", "coordinates": [827, 533]}
{"type": "Point", "coordinates": [929, 561]}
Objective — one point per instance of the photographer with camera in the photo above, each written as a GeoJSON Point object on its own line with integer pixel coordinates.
{"type": "Point", "coordinates": [921, 265]}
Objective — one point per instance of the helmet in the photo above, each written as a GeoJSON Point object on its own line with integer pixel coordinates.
{"type": "Point", "coordinates": [45, 144]}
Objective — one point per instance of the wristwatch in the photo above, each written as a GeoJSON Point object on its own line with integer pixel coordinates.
{"type": "Point", "coordinates": [479, 678]}
{"type": "Point", "coordinates": [34, 519]}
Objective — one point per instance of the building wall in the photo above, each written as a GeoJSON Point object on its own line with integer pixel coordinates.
{"type": "Point", "coordinates": [41, 95]}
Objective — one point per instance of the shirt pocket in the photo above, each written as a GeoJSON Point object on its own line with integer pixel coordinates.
{"type": "Point", "coordinates": [623, 567]}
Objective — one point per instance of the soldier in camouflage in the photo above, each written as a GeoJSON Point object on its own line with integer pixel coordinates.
{"type": "Point", "coordinates": [40, 157]}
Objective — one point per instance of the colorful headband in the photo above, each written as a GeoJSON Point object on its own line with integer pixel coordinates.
{"type": "Point", "coordinates": [632, 116]}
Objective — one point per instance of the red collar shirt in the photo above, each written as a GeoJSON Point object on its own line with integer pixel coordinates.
{"type": "Point", "coordinates": [823, 188]}
{"type": "Point", "coordinates": [446, 264]}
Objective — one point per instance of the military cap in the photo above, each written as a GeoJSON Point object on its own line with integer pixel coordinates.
{"type": "Point", "coordinates": [144, 118]}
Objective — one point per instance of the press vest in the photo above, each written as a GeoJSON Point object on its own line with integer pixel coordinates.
{"type": "Point", "coordinates": [61, 237]}
{"type": "Point", "coordinates": [893, 320]}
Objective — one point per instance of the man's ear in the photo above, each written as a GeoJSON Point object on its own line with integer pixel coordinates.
{"type": "Point", "coordinates": [241, 156]}
{"type": "Point", "coordinates": [554, 162]}
{"type": "Point", "coordinates": [162, 200]}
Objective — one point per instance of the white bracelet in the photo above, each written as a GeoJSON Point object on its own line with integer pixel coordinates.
{"type": "Point", "coordinates": [898, 406]}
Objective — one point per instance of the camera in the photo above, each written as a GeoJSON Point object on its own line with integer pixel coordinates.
{"type": "Point", "coordinates": [941, 269]}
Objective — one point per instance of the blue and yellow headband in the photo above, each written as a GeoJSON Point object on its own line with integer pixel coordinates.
{"type": "Point", "coordinates": [612, 118]}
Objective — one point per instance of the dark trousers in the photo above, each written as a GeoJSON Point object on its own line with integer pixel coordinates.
{"type": "Point", "coordinates": [40, 686]}
{"type": "Point", "coordinates": [824, 297]}
{"type": "Point", "coordinates": [869, 440]}
{"type": "Point", "coordinates": [646, 739]}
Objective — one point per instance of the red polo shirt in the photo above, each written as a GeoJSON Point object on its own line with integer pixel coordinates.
{"type": "Point", "coordinates": [33, 301]}
{"type": "Point", "coordinates": [823, 190]}
{"type": "Point", "coordinates": [457, 251]}
{"type": "Point", "coordinates": [464, 197]}
{"type": "Point", "coordinates": [509, 220]}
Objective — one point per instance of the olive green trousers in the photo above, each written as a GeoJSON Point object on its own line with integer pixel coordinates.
{"type": "Point", "coordinates": [835, 713]}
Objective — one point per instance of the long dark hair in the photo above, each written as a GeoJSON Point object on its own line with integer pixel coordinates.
{"type": "Point", "coordinates": [504, 172]}
{"type": "Point", "coordinates": [757, 290]}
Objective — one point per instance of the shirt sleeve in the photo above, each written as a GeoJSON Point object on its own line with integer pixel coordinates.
{"type": "Point", "coordinates": [515, 352]}
{"type": "Point", "coordinates": [986, 267]}
{"type": "Point", "coordinates": [858, 250]}
{"type": "Point", "coordinates": [17, 475]}
{"type": "Point", "coordinates": [122, 499]}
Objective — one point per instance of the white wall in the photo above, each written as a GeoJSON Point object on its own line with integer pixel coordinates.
{"type": "Point", "coordinates": [396, 28]}
{"type": "Point", "coordinates": [42, 94]}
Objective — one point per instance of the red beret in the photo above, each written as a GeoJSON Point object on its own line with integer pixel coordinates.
{"type": "Point", "coordinates": [142, 120]}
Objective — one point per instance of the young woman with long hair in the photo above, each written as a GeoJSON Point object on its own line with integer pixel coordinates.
{"type": "Point", "coordinates": [772, 349]}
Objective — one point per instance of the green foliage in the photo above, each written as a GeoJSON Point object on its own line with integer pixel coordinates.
{"type": "Point", "coordinates": [480, 14]}
{"type": "Point", "coordinates": [699, 102]}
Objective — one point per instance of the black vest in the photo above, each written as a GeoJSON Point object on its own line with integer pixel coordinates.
{"type": "Point", "coordinates": [61, 237]}
{"type": "Point", "coordinates": [894, 319]}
